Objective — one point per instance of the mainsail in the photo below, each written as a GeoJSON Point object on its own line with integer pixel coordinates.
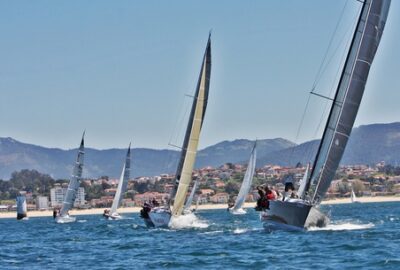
{"type": "Point", "coordinates": [189, 200]}
{"type": "Point", "coordinates": [123, 182]}
{"type": "Point", "coordinates": [247, 180]}
{"type": "Point", "coordinates": [74, 182]}
{"type": "Point", "coordinates": [348, 95]}
{"type": "Point", "coordinates": [190, 143]}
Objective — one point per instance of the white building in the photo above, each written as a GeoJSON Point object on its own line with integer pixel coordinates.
{"type": "Point", "coordinates": [42, 203]}
{"type": "Point", "coordinates": [57, 196]}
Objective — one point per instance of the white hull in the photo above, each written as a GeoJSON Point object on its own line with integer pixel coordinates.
{"type": "Point", "coordinates": [114, 216]}
{"type": "Point", "coordinates": [65, 219]}
{"type": "Point", "coordinates": [239, 211]}
{"type": "Point", "coordinates": [160, 217]}
{"type": "Point", "coordinates": [293, 214]}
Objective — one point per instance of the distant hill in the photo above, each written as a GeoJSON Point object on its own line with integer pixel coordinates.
{"type": "Point", "coordinates": [368, 144]}
{"type": "Point", "coordinates": [15, 155]}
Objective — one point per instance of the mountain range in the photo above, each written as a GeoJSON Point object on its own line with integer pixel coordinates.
{"type": "Point", "coordinates": [368, 144]}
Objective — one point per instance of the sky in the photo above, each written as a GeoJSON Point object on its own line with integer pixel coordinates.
{"type": "Point", "coordinates": [122, 70]}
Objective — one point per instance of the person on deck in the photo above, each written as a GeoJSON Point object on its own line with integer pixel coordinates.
{"type": "Point", "coordinates": [155, 203]}
{"type": "Point", "coordinates": [106, 213]}
{"type": "Point", "coordinates": [260, 199]}
{"type": "Point", "coordinates": [288, 186]}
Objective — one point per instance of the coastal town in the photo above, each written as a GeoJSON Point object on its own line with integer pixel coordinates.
{"type": "Point", "coordinates": [216, 186]}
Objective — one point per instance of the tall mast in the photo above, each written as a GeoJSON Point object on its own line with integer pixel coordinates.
{"type": "Point", "coordinates": [348, 95]}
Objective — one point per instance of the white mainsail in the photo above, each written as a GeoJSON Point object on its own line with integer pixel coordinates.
{"type": "Point", "coordinates": [353, 196]}
{"type": "Point", "coordinates": [74, 182]}
{"type": "Point", "coordinates": [191, 141]}
{"type": "Point", "coordinates": [189, 200]}
{"type": "Point", "coordinates": [247, 180]}
{"type": "Point", "coordinates": [303, 183]}
{"type": "Point", "coordinates": [122, 184]}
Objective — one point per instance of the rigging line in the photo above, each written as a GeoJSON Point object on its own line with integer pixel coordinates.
{"type": "Point", "coordinates": [300, 126]}
{"type": "Point", "coordinates": [318, 76]}
{"type": "Point", "coordinates": [180, 118]}
{"type": "Point", "coordinates": [334, 84]}
{"type": "Point", "coordinates": [323, 66]}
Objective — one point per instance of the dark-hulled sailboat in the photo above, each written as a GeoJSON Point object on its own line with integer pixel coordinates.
{"type": "Point", "coordinates": [161, 216]}
{"type": "Point", "coordinates": [302, 213]}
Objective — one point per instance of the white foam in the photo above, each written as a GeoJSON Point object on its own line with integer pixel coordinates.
{"type": "Point", "coordinates": [82, 220]}
{"type": "Point", "coordinates": [343, 227]}
{"type": "Point", "coordinates": [239, 231]}
{"type": "Point", "coordinates": [187, 221]}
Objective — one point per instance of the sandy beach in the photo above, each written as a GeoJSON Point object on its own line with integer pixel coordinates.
{"type": "Point", "coordinates": [99, 211]}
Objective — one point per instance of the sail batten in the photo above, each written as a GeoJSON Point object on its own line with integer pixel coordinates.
{"type": "Point", "coordinates": [191, 140]}
{"type": "Point", "coordinates": [348, 95]}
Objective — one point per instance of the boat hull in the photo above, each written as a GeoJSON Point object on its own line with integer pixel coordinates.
{"type": "Point", "coordinates": [239, 211]}
{"type": "Point", "coordinates": [114, 216]}
{"type": "Point", "coordinates": [65, 219]}
{"type": "Point", "coordinates": [21, 216]}
{"type": "Point", "coordinates": [292, 215]}
{"type": "Point", "coordinates": [160, 217]}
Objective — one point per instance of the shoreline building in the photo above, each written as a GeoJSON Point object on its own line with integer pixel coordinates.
{"type": "Point", "coordinates": [57, 196]}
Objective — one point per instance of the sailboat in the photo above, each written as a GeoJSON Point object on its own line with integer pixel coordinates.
{"type": "Point", "coordinates": [353, 197]}
{"type": "Point", "coordinates": [189, 200]}
{"type": "Point", "coordinates": [21, 207]}
{"type": "Point", "coordinates": [302, 213]}
{"type": "Point", "coordinates": [63, 216]}
{"type": "Point", "coordinates": [121, 189]}
{"type": "Point", "coordinates": [161, 216]}
{"type": "Point", "coordinates": [246, 184]}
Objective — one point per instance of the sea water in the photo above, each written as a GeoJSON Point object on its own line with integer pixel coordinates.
{"type": "Point", "coordinates": [361, 236]}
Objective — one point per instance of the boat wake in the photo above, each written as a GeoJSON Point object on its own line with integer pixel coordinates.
{"type": "Point", "coordinates": [343, 227]}
{"type": "Point", "coordinates": [187, 221]}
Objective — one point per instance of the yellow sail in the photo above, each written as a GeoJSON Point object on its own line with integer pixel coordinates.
{"type": "Point", "coordinates": [190, 149]}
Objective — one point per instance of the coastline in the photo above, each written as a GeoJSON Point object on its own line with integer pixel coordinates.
{"type": "Point", "coordinates": [127, 210]}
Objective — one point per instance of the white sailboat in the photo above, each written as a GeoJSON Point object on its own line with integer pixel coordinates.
{"type": "Point", "coordinates": [246, 184]}
{"type": "Point", "coordinates": [121, 189]}
{"type": "Point", "coordinates": [161, 216]}
{"type": "Point", "coordinates": [189, 200]}
{"type": "Point", "coordinates": [302, 213]}
{"type": "Point", "coordinates": [21, 207]}
{"type": "Point", "coordinates": [353, 197]}
{"type": "Point", "coordinates": [63, 216]}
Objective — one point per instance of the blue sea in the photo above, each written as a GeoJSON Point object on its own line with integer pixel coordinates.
{"type": "Point", "coordinates": [361, 236]}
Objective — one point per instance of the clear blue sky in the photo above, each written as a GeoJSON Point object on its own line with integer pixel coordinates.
{"type": "Point", "coordinates": [120, 69]}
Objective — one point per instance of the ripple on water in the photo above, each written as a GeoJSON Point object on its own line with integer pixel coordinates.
{"type": "Point", "coordinates": [367, 239]}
